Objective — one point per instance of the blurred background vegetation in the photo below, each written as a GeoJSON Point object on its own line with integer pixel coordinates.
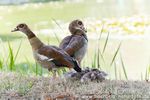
{"type": "Point", "coordinates": [118, 32]}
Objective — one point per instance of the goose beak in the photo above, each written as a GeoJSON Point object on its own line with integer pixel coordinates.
{"type": "Point", "coordinates": [14, 30]}
{"type": "Point", "coordinates": [84, 29]}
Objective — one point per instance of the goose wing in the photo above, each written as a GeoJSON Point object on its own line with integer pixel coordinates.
{"type": "Point", "coordinates": [71, 44]}
{"type": "Point", "coordinates": [56, 55]}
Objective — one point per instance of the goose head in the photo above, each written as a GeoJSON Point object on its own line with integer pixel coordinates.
{"type": "Point", "coordinates": [21, 27]}
{"type": "Point", "coordinates": [76, 27]}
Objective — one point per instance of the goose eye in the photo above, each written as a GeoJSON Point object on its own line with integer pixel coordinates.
{"type": "Point", "coordinates": [79, 23]}
{"type": "Point", "coordinates": [21, 25]}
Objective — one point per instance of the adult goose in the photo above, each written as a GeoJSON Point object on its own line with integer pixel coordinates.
{"type": "Point", "coordinates": [50, 57]}
{"type": "Point", "coordinates": [76, 44]}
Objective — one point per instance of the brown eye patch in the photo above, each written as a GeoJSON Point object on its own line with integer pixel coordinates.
{"type": "Point", "coordinates": [79, 23]}
{"type": "Point", "coordinates": [21, 25]}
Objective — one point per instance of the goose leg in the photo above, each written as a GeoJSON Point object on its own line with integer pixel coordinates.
{"type": "Point", "coordinates": [54, 71]}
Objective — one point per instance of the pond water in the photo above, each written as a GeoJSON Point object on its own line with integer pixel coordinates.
{"type": "Point", "coordinates": [118, 8]}
{"type": "Point", "coordinates": [135, 53]}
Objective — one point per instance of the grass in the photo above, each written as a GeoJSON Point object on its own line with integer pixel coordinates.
{"type": "Point", "coordinates": [124, 70]}
{"type": "Point", "coordinates": [113, 59]}
{"type": "Point", "coordinates": [20, 87]}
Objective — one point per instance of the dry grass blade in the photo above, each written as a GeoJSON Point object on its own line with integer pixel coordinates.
{"type": "Point", "coordinates": [100, 35]}
{"type": "Point", "coordinates": [123, 66]}
{"type": "Point", "coordinates": [115, 54]}
{"type": "Point", "coordinates": [148, 70]}
{"type": "Point", "coordinates": [57, 37]}
{"type": "Point", "coordinates": [48, 41]}
{"type": "Point", "coordinates": [18, 51]}
{"type": "Point", "coordinates": [115, 68]}
{"type": "Point", "coordinates": [105, 43]}
{"type": "Point", "coordinates": [98, 50]}
{"type": "Point", "coordinates": [146, 74]}
{"type": "Point", "coordinates": [94, 60]}
{"type": "Point", "coordinates": [119, 74]}
{"type": "Point", "coordinates": [98, 59]}
{"type": "Point", "coordinates": [58, 25]}
{"type": "Point", "coordinates": [102, 57]}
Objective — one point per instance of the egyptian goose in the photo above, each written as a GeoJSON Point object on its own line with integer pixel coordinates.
{"type": "Point", "coordinates": [50, 57]}
{"type": "Point", "coordinates": [75, 44]}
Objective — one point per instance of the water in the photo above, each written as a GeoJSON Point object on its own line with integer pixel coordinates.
{"type": "Point", "coordinates": [135, 53]}
{"type": "Point", "coordinates": [119, 8]}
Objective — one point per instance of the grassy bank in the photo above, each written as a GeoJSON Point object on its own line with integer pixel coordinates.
{"type": "Point", "coordinates": [19, 87]}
